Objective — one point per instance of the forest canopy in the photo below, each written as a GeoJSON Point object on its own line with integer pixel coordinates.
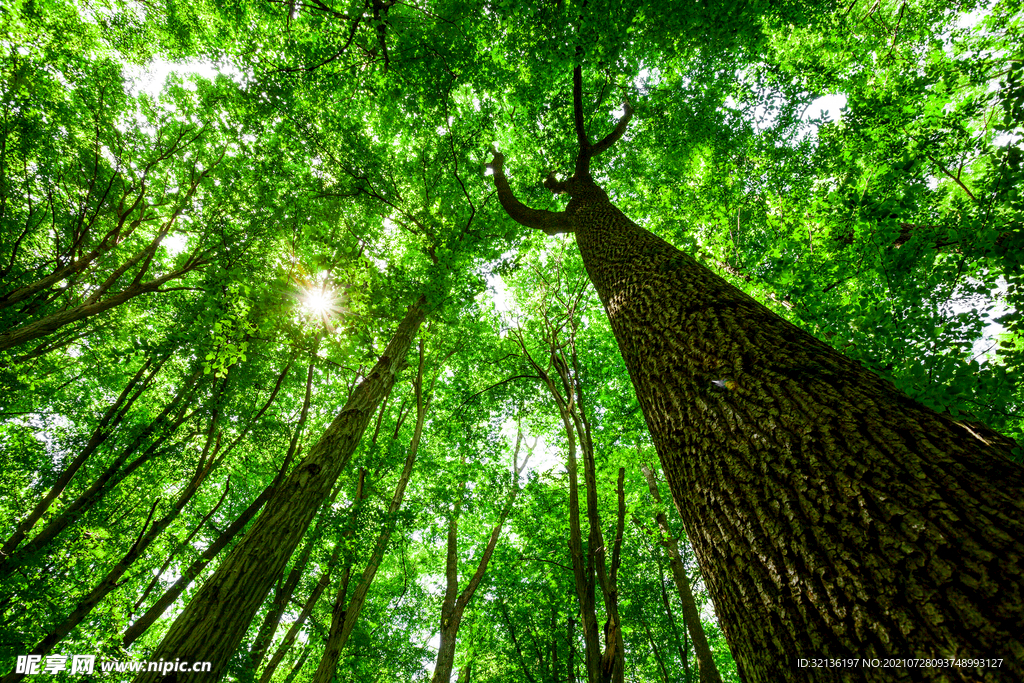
{"type": "Point", "coordinates": [259, 279]}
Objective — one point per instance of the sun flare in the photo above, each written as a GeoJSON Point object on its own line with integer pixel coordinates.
{"type": "Point", "coordinates": [319, 302]}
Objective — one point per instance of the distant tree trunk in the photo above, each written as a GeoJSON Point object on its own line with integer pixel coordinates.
{"type": "Point", "coordinates": [570, 638]}
{"type": "Point", "coordinates": [691, 615]}
{"type": "Point", "coordinates": [208, 461]}
{"type": "Point", "coordinates": [831, 515]}
{"type": "Point", "coordinates": [344, 615]}
{"type": "Point", "coordinates": [654, 649]}
{"type": "Point", "coordinates": [503, 611]}
{"type": "Point", "coordinates": [454, 604]}
{"type": "Point", "coordinates": [683, 646]}
{"type": "Point", "coordinates": [213, 624]}
{"type": "Point", "coordinates": [188, 576]}
{"type": "Point", "coordinates": [165, 424]}
{"type": "Point", "coordinates": [562, 377]}
{"type": "Point", "coordinates": [108, 421]}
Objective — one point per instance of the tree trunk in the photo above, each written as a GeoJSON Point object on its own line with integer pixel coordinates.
{"type": "Point", "coordinates": [163, 426]}
{"type": "Point", "coordinates": [454, 604]}
{"type": "Point", "coordinates": [189, 575]}
{"type": "Point", "coordinates": [207, 462]}
{"type": "Point", "coordinates": [213, 624]}
{"type": "Point", "coordinates": [848, 520]}
{"type": "Point", "coordinates": [344, 616]}
{"type": "Point", "coordinates": [831, 515]}
{"type": "Point", "coordinates": [318, 589]}
{"type": "Point", "coordinates": [691, 616]}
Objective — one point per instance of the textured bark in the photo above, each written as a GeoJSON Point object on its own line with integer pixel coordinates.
{"type": "Point", "coordinates": [213, 624]}
{"type": "Point", "coordinates": [283, 593]}
{"type": "Point", "coordinates": [691, 615]}
{"type": "Point", "coordinates": [190, 574]}
{"type": "Point", "coordinates": [831, 515]}
{"type": "Point", "coordinates": [318, 589]}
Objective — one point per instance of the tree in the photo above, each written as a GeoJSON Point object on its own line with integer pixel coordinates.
{"type": "Point", "coordinates": [231, 597]}
{"type": "Point", "coordinates": [829, 512]}
{"type": "Point", "coordinates": [329, 176]}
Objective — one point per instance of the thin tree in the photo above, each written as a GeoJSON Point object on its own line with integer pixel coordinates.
{"type": "Point", "coordinates": [831, 515]}
{"type": "Point", "coordinates": [691, 615]}
{"type": "Point", "coordinates": [453, 607]}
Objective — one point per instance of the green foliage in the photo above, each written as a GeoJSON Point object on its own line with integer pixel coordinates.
{"type": "Point", "coordinates": [342, 150]}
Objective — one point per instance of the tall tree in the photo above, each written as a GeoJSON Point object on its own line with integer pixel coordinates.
{"type": "Point", "coordinates": [829, 512]}
{"type": "Point", "coordinates": [215, 621]}
{"type": "Point", "coordinates": [453, 607]}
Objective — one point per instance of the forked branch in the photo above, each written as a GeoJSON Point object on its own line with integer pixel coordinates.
{"type": "Point", "coordinates": [551, 222]}
{"type": "Point", "coordinates": [587, 150]}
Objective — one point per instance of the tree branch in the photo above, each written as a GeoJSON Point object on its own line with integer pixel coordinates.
{"type": "Point", "coordinates": [552, 223]}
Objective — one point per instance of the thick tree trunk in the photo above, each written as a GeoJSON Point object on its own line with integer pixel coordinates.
{"type": "Point", "coordinates": [318, 589]}
{"type": "Point", "coordinates": [189, 575]}
{"type": "Point", "coordinates": [213, 624]}
{"type": "Point", "coordinates": [832, 516]}
{"type": "Point", "coordinates": [691, 616]}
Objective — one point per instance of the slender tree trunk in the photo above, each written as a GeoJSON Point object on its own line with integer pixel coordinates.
{"type": "Point", "coordinates": [344, 616]}
{"type": "Point", "coordinates": [593, 571]}
{"type": "Point", "coordinates": [213, 624]}
{"type": "Point", "coordinates": [691, 616]}
{"type": "Point", "coordinates": [298, 665]}
{"type": "Point", "coordinates": [194, 569]}
{"type": "Point", "coordinates": [570, 638]}
{"type": "Point", "coordinates": [831, 515]}
{"type": "Point", "coordinates": [208, 461]}
{"type": "Point", "coordinates": [517, 646]}
{"type": "Point", "coordinates": [454, 604]}
{"type": "Point", "coordinates": [683, 646]}
{"type": "Point", "coordinates": [162, 426]}
{"type": "Point", "coordinates": [654, 649]}
{"type": "Point", "coordinates": [583, 563]}
{"type": "Point", "coordinates": [110, 419]}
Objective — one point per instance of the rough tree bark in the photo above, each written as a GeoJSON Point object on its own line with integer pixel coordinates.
{"type": "Point", "coordinates": [213, 624]}
{"type": "Point", "coordinates": [344, 615]}
{"type": "Point", "coordinates": [831, 515]}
